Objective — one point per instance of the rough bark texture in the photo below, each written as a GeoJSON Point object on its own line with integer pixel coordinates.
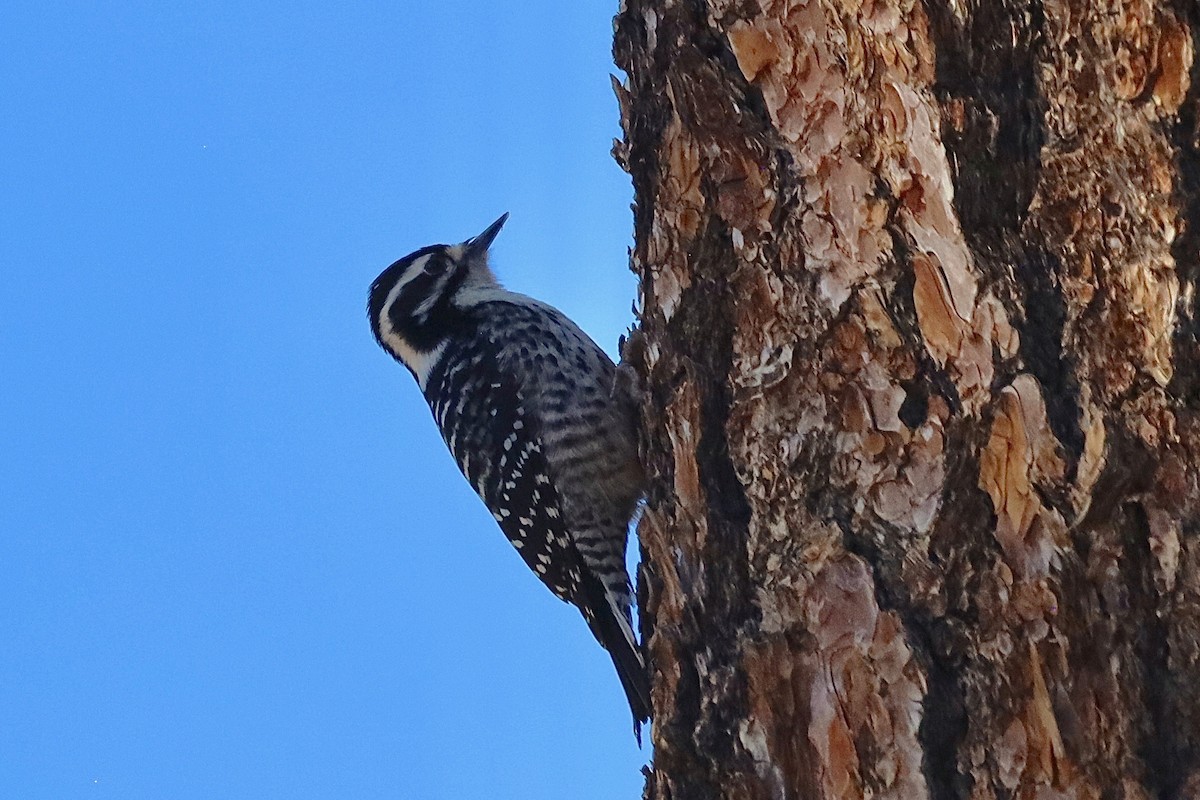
{"type": "Point", "coordinates": [920, 351]}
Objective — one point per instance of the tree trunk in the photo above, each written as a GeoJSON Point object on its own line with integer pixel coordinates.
{"type": "Point", "coordinates": [919, 350]}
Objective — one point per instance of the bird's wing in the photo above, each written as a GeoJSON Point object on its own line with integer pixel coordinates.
{"type": "Point", "coordinates": [485, 422]}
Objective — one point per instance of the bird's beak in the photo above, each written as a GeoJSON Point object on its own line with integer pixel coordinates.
{"type": "Point", "coordinates": [478, 246]}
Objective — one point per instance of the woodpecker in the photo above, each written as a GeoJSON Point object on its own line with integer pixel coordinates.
{"type": "Point", "coordinates": [528, 405]}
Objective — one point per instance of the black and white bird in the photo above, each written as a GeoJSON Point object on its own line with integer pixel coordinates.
{"type": "Point", "coordinates": [528, 406]}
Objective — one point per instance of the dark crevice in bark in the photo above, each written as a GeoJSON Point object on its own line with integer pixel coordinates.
{"type": "Point", "coordinates": [986, 82]}
{"type": "Point", "coordinates": [1112, 616]}
{"type": "Point", "coordinates": [944, 719]}
{"type": "Point", "coordinates": [1090, 646]}
{"type": "Point", "coordinates": [1185, 250]}
{"type": "Point", "coordinates": [935, 624]}
{"type": "Point", "coordinates": [1162, 750]}
{"type": "Point", "coordinates": [712, 349]}
{"type": "Point", "coordinates": [915, 407]}
{"type": "Point", "coordinates": [1129, 469]}
{"type": "Point", "coordinates": [993, 132]}
{"type": "Point", "coordinates": [961, 550]}
{"type": "Point", "coordinates": [944, 715]}
{"type": "Point", "coordinates": [943, 722]}
{"type": "Point", "coordinates": [1045, 314]}
{"type": "Point", "coordinates": [720, 599]}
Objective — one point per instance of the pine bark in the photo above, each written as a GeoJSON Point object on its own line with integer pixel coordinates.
{"type": "Point", "coordinates": [919, 350]}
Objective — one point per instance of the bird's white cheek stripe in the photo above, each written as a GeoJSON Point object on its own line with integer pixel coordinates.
{"type": "Point", "coordinates": [421, 362]}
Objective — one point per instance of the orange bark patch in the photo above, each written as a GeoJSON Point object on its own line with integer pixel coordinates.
{"type": "Point", "coordinates": [1020, 451]}
{"type": "Point", "coordinates": [753, 48]}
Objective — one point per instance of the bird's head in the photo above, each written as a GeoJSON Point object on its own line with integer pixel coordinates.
{"type": "Point", "coordinates": [413, 301]}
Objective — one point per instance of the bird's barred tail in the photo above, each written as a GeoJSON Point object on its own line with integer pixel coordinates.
{"type": "Point", "coordinates": [612, 629]}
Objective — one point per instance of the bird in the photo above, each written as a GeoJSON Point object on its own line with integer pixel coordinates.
{"type": "Point", "coordinates": [530, 408]}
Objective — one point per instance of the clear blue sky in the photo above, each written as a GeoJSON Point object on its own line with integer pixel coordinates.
{"type": "Point", "coordinates": [235, 558]}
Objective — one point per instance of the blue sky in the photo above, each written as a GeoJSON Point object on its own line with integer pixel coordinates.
{"type": "Point", "coordinates": [235, 558]}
